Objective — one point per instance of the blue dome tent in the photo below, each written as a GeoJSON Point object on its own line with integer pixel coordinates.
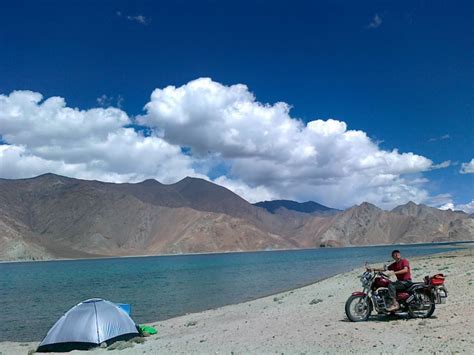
{"type": "Point", "coordinates": [88, 324]}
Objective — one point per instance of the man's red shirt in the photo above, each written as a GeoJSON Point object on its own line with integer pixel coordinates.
{"type": "Point", "coordinates": [399, 265]}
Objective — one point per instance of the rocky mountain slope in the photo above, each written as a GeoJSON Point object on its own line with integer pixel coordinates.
{"type": "Point", "coordinates": [61, 217]}
{"type": "Point", "coordinates": [52, 216]}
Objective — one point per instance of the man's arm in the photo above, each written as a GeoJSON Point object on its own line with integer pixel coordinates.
{"type": "Point", "coordinates": [406, 267]}
{"type": "Point", "coordinates": [402, 271]}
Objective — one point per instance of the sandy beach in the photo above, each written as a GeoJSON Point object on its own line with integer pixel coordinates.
{"type": "Point", "coordinates": [311, 320]}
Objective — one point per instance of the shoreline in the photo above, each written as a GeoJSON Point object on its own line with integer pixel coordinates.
{"type": "Point", "coordinates": [179, 327]}
{"type": "Point", "coordinates": [444, 254]}
{"type": "Point", "coordinates": [310, 318]}
{"type": "Point", "coordinates": [461, 243]}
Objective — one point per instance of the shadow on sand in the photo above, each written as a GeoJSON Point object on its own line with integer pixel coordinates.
{"type": "Point", "coordinates": [383, 318]}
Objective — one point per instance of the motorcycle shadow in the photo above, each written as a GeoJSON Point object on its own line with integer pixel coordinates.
{"type": "Point", "coordinates": [384, 318]}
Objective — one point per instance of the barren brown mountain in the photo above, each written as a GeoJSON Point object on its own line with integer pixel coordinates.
{"type": "Point", "coordinates": [52, 216]}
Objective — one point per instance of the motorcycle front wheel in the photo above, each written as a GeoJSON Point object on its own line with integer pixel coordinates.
{"type": "Point", "coordinates": [423, 307]}
{"type": "Point", "coordinates": [358, 308]}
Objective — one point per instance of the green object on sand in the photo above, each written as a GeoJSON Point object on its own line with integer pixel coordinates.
{"type": "Point", "coordinates": [147, 329]}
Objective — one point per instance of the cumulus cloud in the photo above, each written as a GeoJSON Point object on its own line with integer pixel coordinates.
{"type": "Point", "coordinates": [265, 146]}
{"type": "Point", "coordinates": [259, 150]}
{"type": "Point", "coordinates": [47, 136]}
{"type": "Point", "coordinates": [467, 168]}
{"type": "Point", "coordinates": [376, 22]}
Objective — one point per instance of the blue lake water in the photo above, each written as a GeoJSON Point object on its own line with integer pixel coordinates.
{"type": "Point", "coordinates": [33, 295]}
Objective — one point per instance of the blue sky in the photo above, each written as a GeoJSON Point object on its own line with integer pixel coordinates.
{"type": "Point", "coordinates": [399, 71]}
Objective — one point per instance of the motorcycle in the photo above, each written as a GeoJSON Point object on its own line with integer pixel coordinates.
{"type": "Point", "coordinates": [418, 300]}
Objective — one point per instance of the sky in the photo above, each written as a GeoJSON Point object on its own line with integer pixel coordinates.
{"type": "Point", "coordinates": [333, 101]}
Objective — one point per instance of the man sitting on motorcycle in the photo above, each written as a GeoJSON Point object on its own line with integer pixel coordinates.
{"type": "Point", "coordinates": [401, 269]}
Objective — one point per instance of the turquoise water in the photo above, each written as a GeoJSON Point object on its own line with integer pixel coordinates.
{"type": "Point", "coordinates": [33, 295]}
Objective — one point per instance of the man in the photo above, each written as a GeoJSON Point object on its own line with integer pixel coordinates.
{"type": "Point", "coordinates": [401, 269]}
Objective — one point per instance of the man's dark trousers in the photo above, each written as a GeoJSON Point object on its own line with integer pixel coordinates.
{"type": "Point", "coordinates": [393, 287]}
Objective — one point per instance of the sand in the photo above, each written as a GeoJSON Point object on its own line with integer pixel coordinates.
{"type": "Point", "coordinates": [311, 320]}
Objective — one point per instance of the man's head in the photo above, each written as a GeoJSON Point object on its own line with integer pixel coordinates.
{"type": "Point", "coordinates": [396, 255]}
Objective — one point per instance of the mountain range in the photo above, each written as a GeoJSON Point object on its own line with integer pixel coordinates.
{"type": "Point", "coordinates": [52, 216]}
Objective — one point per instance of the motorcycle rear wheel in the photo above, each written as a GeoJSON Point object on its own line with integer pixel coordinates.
{"type": "Point", "coordinates": [424, 309]}
{"type": "Point", "coordinates": [358, 308]}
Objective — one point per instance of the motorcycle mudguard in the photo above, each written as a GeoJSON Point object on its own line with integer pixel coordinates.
{"type": "Point", "coordinates": [359, 293]}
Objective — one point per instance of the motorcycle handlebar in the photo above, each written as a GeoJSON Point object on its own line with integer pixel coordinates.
{"type": "Point", "coordinates": [378, 272]}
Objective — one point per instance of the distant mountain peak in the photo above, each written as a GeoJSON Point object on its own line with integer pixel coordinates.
{"type": "Point", "coordinates": [369, 205]}
{"type": "Point", "coordinates": [150, 182]}
{"type": "Point", "coordinates": [364, 208]}
{"type": "Point", "coordinates": [48, 179]}
{"type": "Point", "coordinates": [193, 180]}
{"type": "Point", "coordinates": [48, 176]}
{"type": "Point", "coordinates": [411, 208]}
{"type": "Point", "coordinates": [303, 207]}
{"type": "Point", "coordinates": [186, 178]}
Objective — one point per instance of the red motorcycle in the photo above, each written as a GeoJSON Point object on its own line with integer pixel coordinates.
{"type": "Point", "coordinates": [418, 300]}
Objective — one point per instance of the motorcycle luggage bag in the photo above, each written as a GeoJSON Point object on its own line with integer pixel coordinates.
{"type": "Point", "coordinates": [437, 280]}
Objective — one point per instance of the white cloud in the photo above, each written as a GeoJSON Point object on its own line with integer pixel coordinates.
{"type": "Point", "coordinates": [439, 200]}
{"type": "Point", "coordinates": [104, 101]}
{"type": "Point", "coordinates": [266, 153]}
{"type": "Point", "coordinates": [467, 168]}
{"type": "Point", "coordinates": [141, 19]}
{"type": "Point", "coordinates": [468, 207]}
{"type": "Point", "coordinates": [47, 136]}
{"type": "Point", "coordinates": [265, 146]}
{"type": "Point", "coordinates": [447, 206]}
{"type": "Point", "coordinates": [376, 22]}
{"type": "Point", "coordinates": [443, 137]}
{"type": "Point", "coordinates": [108, 101]}
{"type": "Point", "coordinates": [119, 101]}
{"type": "Point", "coordinates": [442, 165]}
{"type": "Point", "coordinates": [253, 194]}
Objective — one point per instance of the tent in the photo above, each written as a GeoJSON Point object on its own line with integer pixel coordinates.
{"type": "Point", "coordinates": [89, 324]}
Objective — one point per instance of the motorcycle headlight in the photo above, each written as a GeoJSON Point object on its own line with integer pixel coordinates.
{"type": "Point", "coordinates": [365, 278]}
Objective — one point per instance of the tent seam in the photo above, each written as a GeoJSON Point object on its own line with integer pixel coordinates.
{"type": "Point", "coordinates": [97, 324]}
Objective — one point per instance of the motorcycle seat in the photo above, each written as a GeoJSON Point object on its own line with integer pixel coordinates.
{"type": "Point", "coordinates": [415, 285]}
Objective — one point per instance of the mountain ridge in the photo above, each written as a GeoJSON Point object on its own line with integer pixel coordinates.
{"type": "Point", "coordinates": [310, 207]}
{"type": "Point", "coordinates": [52, 216]}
